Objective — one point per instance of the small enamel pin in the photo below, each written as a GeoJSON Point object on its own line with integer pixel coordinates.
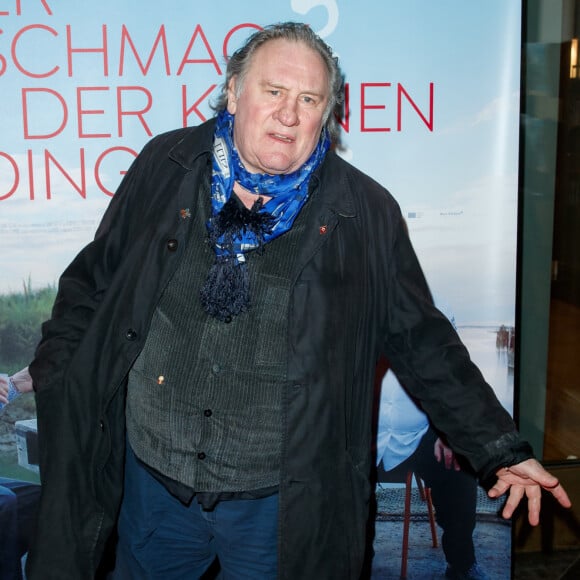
{"type": "Point", "coordinates": [185, 213]}
{"type": "Point", "coordinates": [322, 230]}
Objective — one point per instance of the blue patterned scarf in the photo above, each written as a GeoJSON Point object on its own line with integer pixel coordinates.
{"type": "Point", "coordinates": [234, 230]}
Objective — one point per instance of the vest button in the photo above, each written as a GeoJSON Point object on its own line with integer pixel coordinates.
{"type": "Point", "coordinates": [131, 334]}
{"type": "Point", "coordinates": [208, 413]}
{"type": "Point", "coordinates": [172, 245]}
{"type": "Point", "coordinates": [216, 368]}
{"type": "Point", "coordinates": [201, 455]}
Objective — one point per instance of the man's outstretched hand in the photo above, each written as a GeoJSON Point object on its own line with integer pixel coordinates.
{"type": "Point", "coordinates": [527, 478]}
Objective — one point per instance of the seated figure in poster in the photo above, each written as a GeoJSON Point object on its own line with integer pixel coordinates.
{"type": "Point", "coordinates": [18, 500]}
{"type": "Point", "coordinates": [407, 442]}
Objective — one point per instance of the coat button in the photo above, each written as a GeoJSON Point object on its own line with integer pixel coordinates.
{"type": "Point", "coordinates": [208, 413]}
{"type": "Point", "coordinates": [172, 245]}
{"type": "Point", "coordinates": [131, 334]}
{"type": "Point", "coordinates": [102, 425]}
{"type": "Point", "coordinates": [201, 455]}
{"type": "Point", "coordinates": [215, 369]}
{"type": "Point", "coordinates": [228, 319]}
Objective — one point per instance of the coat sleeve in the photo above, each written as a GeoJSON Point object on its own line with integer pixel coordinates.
{"type": "Point", "coordinates": [84, 282]}
{"type": "Point", "coordinates": [431, 361]}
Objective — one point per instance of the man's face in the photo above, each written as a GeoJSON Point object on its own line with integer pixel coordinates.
{"type": "Point", "coordinates": [279, 113]}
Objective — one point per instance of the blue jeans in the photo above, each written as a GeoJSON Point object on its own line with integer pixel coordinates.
{"type": "Point", "coordinates": [161, 538]}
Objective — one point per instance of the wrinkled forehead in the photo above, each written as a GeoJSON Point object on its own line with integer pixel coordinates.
{"type": "Point", "coordinates": [290, 58]}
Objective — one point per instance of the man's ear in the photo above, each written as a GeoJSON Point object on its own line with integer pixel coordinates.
{"type": "Point", "coordinates": [232, 99]}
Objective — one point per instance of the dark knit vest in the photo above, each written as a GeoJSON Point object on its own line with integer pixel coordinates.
{"type": "Point", "coordinates": [203, 405]}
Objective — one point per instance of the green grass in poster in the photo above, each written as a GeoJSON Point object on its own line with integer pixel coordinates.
{"type": "Point", "coordinates": [21, 317]}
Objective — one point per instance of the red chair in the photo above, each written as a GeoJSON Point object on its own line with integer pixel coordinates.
{"type": "Point", "coordinates": [425, 494]}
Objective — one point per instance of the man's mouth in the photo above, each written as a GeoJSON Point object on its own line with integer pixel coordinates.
{"type": "Point", "coordinates": [283, 138]}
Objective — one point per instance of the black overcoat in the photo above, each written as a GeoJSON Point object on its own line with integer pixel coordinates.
{"type": "Point", "coordinates": [357, 292]}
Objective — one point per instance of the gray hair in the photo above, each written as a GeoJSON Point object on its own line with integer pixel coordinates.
{"type": "Point", "coordinates": [240, 61]}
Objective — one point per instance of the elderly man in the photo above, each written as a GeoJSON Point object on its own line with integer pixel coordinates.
{"type": "Point", "coordinates": [216, 343]}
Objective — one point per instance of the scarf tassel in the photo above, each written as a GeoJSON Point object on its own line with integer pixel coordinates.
{"type": "Point", "coordinates": [226, 291]}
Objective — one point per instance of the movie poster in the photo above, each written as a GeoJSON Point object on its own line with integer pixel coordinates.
{"type": "Point", "coordinates": [432, 113]}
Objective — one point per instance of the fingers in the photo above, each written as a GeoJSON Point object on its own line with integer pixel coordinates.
{"type": "Point", "coordinates": [534, 504]}
{"type": "Point", "coordinates": [533, 471]}
{"type": "Point", "coordinates": [448, 455]}
{"type": "Point", "coordinates": [498, 489]}
{"type": "Point", "coordinates": [561, 496]}
{"type": "Point", "coordinates": [445, 454]}
{"type": "Point", "coordinates": [23, 380]}
{"type": "Point", "coordinates": [438, 451]}
{"type": "Point", "coordinates": [533, 493]}
{"type": "Point", "coordinates": [516, 493]}
{"type": "Point", "coordinates": [515, 496]}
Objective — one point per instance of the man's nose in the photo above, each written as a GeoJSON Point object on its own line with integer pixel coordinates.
{"type": "Point", "coordinates": [287, 113]}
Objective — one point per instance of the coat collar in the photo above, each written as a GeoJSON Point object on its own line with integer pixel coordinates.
{"type": "Point", "coordinates": [334, 188]}
{"type": "Point", "coordinates": [196, 142]}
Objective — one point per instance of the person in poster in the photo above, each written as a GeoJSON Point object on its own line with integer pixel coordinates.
{"type": "Point", "coordinates": [248, 246]}
{"type": "Point", "coordinates": [18, 499]}
{"type": "Point", "coordinates": [407, 442]}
